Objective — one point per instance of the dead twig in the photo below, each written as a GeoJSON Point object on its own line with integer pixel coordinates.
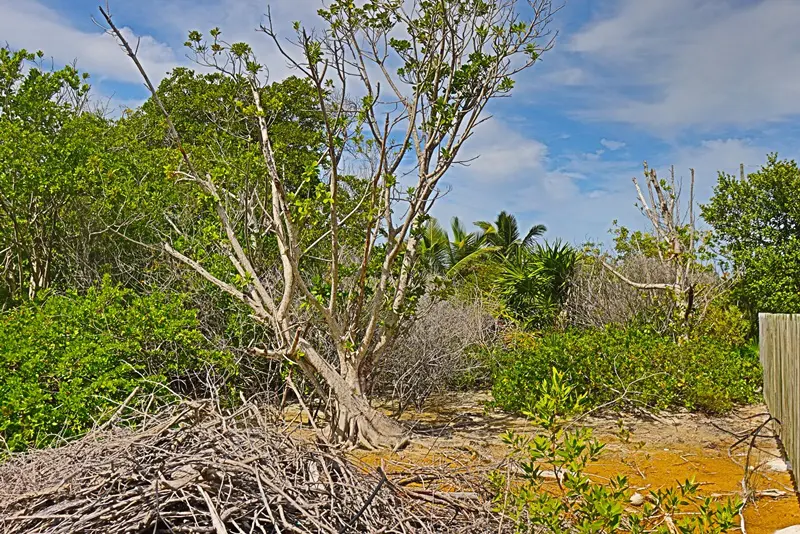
{"type": "Point", "coordinates": [247, 475]}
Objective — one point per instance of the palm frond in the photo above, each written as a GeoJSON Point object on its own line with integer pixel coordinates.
{"type": "Point", "coordinates": [537, 230]}
{"type": "Point", "coordinates": [470, 260]}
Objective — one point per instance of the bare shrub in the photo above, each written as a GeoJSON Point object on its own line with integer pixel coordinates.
{"type": "Point", "coordinates": [598, 297]}
{"type": "Point", "coordinates": [434, 354]}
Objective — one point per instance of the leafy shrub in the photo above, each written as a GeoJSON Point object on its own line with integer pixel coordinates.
{"type": "Point", "coordinates": [65, 362]}
{"type": "Point", "coordinates": [755, 222]}
{"type": "Point", "coordinates": [726, 322]}
{"type": "Point", "coordinates": [638, 367]}
{"type": "Point", "coordinates": [576, 503]}
{"type": "Point", "coordinates": [533, 283]}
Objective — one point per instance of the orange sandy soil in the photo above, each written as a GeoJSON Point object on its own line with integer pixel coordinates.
{"type": "Point", "coordinates": [461, 434]}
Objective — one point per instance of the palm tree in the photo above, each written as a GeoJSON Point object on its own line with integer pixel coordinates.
{"type": "Point", "coordinates": [434, 248]}
{"type": "Point", "coordinates": [504, 234]}
{"type": "Point", "coordinates": [464, 243]}
{"type": "Point", "coordinates": [534, 282]}
{"type": "Point", "coordinates": [445, 257]}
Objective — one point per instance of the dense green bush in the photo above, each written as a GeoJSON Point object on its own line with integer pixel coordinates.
{"type": "Point", "coordinates": [643, 368]}
{"type": "Point", "coordinates": [756, 222]}
{"type": "Point", "coordinates": [65, 362]}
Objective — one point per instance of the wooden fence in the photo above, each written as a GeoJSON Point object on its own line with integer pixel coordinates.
{"type": "Point", "coordinates": [779, 350]}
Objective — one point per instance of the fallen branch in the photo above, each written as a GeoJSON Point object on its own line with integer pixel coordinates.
{"type": "Point", "coordinates": [194, 469]}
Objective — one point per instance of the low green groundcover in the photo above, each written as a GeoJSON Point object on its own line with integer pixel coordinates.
{"type": "Point", "coordinates": [638, 367]}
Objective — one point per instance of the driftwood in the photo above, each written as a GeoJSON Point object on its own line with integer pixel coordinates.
{"type": "Point", "coordinates": [193, 469]}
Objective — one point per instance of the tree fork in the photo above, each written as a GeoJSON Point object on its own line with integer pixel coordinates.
{"type": "Point", "coordinates": [453, 67]}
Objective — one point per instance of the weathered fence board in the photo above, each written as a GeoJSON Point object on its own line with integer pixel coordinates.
{"type": "Point", "coordinates": [779, 350]}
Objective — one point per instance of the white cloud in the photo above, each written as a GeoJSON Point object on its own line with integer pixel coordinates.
{"type": "Point", "coordinates": [708, 63]}
{"type": "Point", "coordinates": [608, 194]}
{"type": "Point", "coordinates": [612, 145]}
{"type": "Point", "coordinates": [578, 196]}
{"type": "Point", "coordinates": [496, 153]}
{"type": "Point", "coordinates": [565, 76]}
{"type": "Point", "coordinates": [33, 26]}
{"type": "Point", "coordinates": [503, 164]}
{"type": "Point", "coordinates": [712, 156]}
{"type": "Point", "coordinates": [517, 173]}
{"type": "Point", "coordinates": [239, 21]}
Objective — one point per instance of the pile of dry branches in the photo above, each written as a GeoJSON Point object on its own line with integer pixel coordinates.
{"type": "Point", "coordinates": [193, 469]}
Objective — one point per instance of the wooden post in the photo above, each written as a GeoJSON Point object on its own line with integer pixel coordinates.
{"type": "Point", "coordinates": [779, 352]}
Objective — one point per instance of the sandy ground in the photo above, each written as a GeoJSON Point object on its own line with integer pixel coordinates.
{"type": "Point", "coordinates": [459, 432]}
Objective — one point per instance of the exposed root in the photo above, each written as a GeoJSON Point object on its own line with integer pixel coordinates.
{"type": "Point", "coordinates": [371, 432]}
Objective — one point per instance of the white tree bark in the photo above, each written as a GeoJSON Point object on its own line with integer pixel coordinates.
{"type": "Point", "coordinates": [454, 64]}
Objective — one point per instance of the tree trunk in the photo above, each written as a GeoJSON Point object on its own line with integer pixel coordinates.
{"type": "Point", "coordinates": [353, 419]}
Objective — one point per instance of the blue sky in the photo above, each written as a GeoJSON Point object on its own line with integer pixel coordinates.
{"type": "Point", "coordinates": [706, 84]}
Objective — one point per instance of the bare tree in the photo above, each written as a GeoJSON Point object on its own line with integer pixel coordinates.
{"type": "Point", "coordinates": [598, 298]}
{"type": "Point", "coordinates": [676, 239]}
{"type": "Point", "coordinates": [423, 73]}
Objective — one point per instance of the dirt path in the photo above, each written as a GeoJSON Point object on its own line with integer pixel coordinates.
{"type": "Point", "coordinates": [656, 453]}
